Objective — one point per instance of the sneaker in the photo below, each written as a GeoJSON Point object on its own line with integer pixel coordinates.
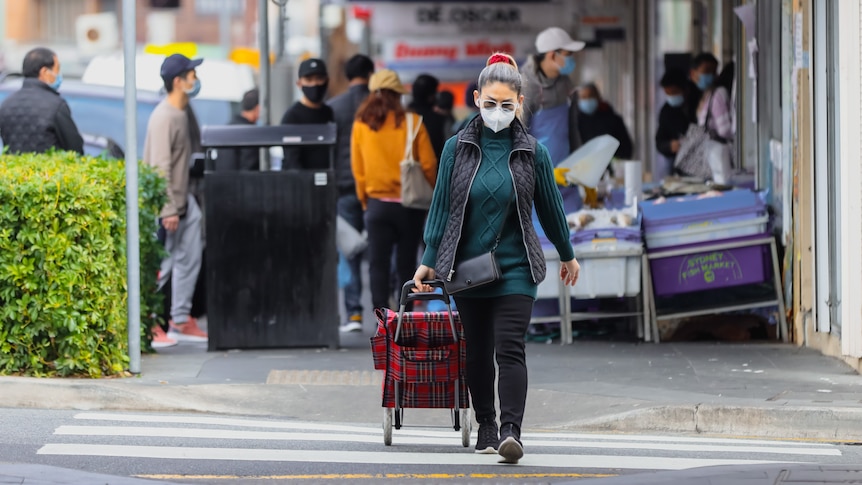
{"type": "Point", "coordinates": [187, 331]}
{"type": "Point", "coordinates": [510, 447]}
{"type": "Point", "coordinates": [488, 439]}
{"type": "Point", "coordinates": [353, 324]}
{"type": "Point", "coordinates": [161, 339]}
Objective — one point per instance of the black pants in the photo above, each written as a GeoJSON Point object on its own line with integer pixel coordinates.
{"type": "Point", "coordinates": [496, 324]}
{"type": "Point", "coordinates": [392, 229]}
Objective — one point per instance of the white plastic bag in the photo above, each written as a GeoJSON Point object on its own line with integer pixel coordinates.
{"type": "Point", "coordinates": [348, 240]}
{"type": "Point", "coordinates": [718, 157]}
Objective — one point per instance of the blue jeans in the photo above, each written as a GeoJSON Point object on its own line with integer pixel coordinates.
{"type": "Point", "coordinates": [350, 209]}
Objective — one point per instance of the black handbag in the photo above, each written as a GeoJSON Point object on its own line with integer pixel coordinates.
{"type": "Point", "coordinates": [479, 270]}
{"type": "Point", "coordinates": [472, 273]}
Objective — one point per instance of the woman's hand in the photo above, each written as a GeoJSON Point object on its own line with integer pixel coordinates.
{"type": "Point", "coordinates": [569, 272]}
{"type": "Point", "coordinates": [423, 273]}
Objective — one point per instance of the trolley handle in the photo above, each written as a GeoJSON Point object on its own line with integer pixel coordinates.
{"type": "Point", "coordinates": [407, 295]}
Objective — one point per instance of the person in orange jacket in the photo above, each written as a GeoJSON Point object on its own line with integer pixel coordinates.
{"type": "Point", "coordinates": [377, 147]}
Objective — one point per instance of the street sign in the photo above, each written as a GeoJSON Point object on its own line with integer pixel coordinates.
{"type": "Point", "coordinates": [216, 7]}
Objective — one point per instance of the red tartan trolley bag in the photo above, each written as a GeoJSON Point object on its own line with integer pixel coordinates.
{"type": "Point", "coordinates": [423, 356]}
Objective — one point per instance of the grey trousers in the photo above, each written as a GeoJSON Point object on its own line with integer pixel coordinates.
{"type": "Point", "coordinates": [183, 263]}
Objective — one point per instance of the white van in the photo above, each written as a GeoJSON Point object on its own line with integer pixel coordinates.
{"type": "Point", "coordinates": [223, 82]}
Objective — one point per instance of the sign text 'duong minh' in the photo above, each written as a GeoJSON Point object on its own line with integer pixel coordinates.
{"type": "Point", "coordinates": [454, 51]}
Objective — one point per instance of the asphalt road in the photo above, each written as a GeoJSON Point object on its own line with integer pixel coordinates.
{"type": "Point", "coordinates": [226, 450]}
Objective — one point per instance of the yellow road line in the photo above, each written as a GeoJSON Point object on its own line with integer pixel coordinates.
{"type": "Point", "coordinates": [378, 476]}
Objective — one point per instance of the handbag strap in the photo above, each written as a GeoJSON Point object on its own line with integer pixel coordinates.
{"type": "Point", "coordinates": [411, 135]}
{"type": "Point", "coordinates": [708, 110]}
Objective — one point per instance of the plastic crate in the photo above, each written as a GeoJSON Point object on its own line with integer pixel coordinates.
{"type": "Point", "coordinates": [609, 268]}
{"type": "Point", "coordinates": [691, 219]}
{"type": "Point", "coordinates": [711, 270]}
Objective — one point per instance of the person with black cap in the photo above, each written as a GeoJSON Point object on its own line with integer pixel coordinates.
{"type": "Point", "coordinates": [168, 148]}
{"type": "Point", "coordinates": [309, 110]}
{"type": "Point", "coordinates": [358, 69]}
{"type": "Point", "coordinates": [243, 158]}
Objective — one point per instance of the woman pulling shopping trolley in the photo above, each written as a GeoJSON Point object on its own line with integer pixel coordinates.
{"type": "Point", "coordinates": [481, 243]}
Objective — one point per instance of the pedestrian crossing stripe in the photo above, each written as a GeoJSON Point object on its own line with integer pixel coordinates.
{"type": "Point", "coordinates": [380, 476]}
{"type": "Point", "coordinates": [408, 431]}
{"type": "Point", "coordinates": [391, 458]}
{"type": "Point", "coordinates": [554, 451]}
{"type": "Point", "coordinates": [452, 439]}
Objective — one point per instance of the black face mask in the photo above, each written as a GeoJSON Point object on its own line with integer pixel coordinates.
{"type": "Point", "coordinates": [316, 93]}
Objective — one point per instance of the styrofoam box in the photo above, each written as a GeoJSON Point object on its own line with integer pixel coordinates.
{"type": "Point", "coordinates": [697, 233]}
{"type": "Point", "coordinates": [609, 268]}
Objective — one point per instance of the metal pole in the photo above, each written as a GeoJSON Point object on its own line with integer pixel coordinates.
{"type": "Point", "coordinates": [281, 32]}
{"type": "Point", "coordinates": [133, 254]}
{"type": "Point", "coordinates": [224, 30]}
{"type": "Point", "coordinates": [324, 33]}
{"type": "Point", "coordinates": [263, 46]}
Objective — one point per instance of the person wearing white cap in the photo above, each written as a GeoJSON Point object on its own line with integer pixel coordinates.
{"type": "Point", "coordinates": [548, 92]}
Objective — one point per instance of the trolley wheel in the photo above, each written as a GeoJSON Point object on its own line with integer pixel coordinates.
{"type": "Point", "coordinates": [466, 427]}
{"type": "Point", "coordinates": [387, 426]}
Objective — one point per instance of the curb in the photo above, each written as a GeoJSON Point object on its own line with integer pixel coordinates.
{"type": "Point", "coordinates": [786, 422]}
{"type": "Point", "coordinates": [327, 403]}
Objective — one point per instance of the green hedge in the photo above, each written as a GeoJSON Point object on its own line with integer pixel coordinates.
{"type": "Point", "coordinates": [63, 264]}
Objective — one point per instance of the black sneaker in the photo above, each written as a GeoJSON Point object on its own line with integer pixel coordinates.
{"type": "Point", "coordinates": [488, 439]}
{"type": "Point", "coordinates": [510, 447]}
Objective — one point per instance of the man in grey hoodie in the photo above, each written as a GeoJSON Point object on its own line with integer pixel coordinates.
{"type": "Point", "coordinates": [548, 93]}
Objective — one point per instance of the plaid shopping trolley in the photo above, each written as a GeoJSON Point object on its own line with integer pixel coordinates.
{"type": "Point", "coordinates": [423, 356]}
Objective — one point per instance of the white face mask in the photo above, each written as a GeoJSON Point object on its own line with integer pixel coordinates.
{"type": "Point", "coordinates": [497, 118]}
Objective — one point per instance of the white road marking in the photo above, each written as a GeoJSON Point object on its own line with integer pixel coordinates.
{"type": "Point", "coordinates": [452, 438]}
{"type": "Point", "coordinates": [393, 458]}
{"type": "Point", "coordinates": [407, 431]}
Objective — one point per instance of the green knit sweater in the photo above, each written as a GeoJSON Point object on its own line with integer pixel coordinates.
{"type": "Point", "coordinates": [490, 193]}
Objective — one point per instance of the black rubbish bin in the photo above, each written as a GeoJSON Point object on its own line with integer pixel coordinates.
{"type": "Point", "coordinates": [271, 256]}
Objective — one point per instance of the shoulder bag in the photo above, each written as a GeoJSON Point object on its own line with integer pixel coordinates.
{"type": "Point", "coordinates": [692, 157]}
{"type": "Point", "coordinates": [416, 192]}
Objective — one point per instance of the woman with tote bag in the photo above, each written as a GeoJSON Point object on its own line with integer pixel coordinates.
{"type": "Point", "coordinates": [706, 151]}
{"type": "Point", "coordinates": [379, 144]}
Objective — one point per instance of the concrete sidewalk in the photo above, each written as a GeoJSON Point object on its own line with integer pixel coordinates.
{"type": "Point", "coordinates": [745, 475]}
{"type": "Point", "coordinates": [24, 474]}
{"type": "Point", "coordinates": [757, 389]}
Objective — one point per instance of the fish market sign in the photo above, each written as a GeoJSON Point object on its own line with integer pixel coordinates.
{"type": "Point", "coordinates": [709, 268]}
{"type": "Point", "coordinates": [485, 17]}
{"type": "Point", "coordinates": [444, 19]}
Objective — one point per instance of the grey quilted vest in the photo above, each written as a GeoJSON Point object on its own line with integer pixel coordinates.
{"type": "Point", "coordinates": [468, 154]}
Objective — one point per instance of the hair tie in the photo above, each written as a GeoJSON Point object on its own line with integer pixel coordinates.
{"type": "Point", "coordinates": [499, 58]}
